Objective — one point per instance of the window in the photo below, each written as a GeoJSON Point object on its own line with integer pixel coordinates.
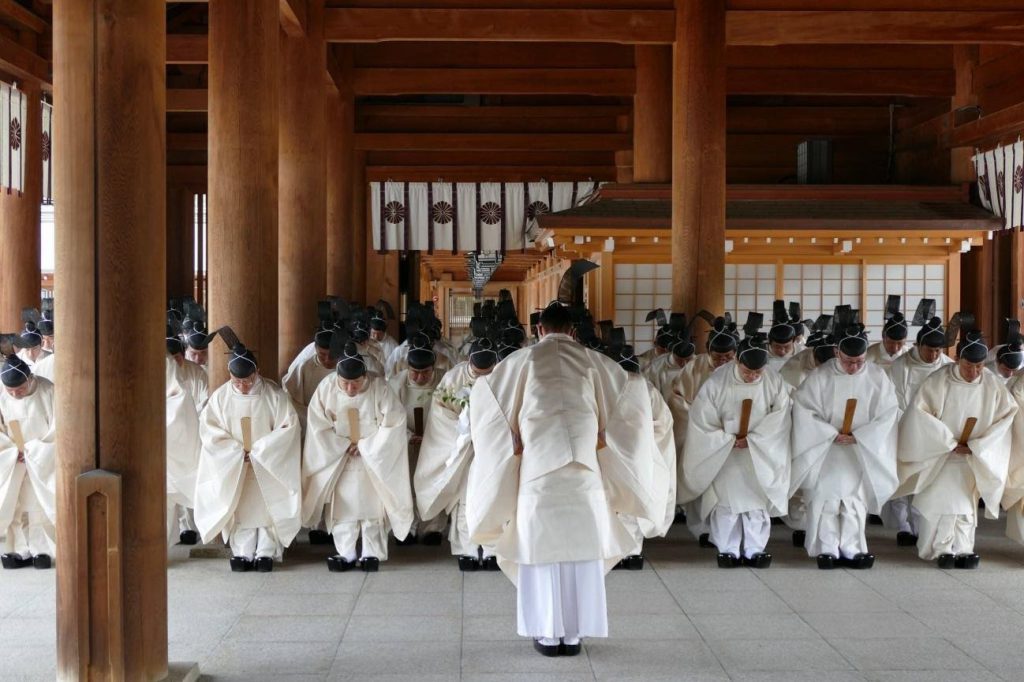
{"type": "Point", "coordinates": [639, 289]}
{"type": "Point", "coordinates": [749, 288]}
{"type": "Point", "coordinates": [911, 281]}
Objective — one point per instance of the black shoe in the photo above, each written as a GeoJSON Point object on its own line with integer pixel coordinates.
{"type": "Point", "coordinates": [634, 562]}
{"type": "Point", "coordinates": [42, 561]}
{"type": "Point", "coordinates": [728, 560]}
{"type": "Point", "coordinates": [680, 516]}
{"type": "Point", "coordinates": [490, 563]}
{"type": "Point", "coordinates": [239, 564]}
{"type": "Point", "coordinates": [432, 539]}
{"type": "Point", "coordinates": [759, 560]}
{"type": "Point", "coordinates": [549, 650]}
{"type": "Point", "coordinates": [705, 540]}
{"type": "Point", "coordinates": [799, 538]}
{"type": "Point", "coordinates": [319, 537]}
{"type": "Point", "coordinates": [875, 520]}
{"type": "Point", "coordinates": [826, 562]}
{"type": "Point", "coordinates": [468, 563]}
{"type": "Point", "coordinates": [370, 564]}
{"type": "Point", "coordinates": [905, 539]}
{"type": "Point", "coordinates": [946, 561]}
{"type": "Point", "coordinates": [862, 561]}
{"type": "Point", "coordinates": [407, 541]}
{"type": "Point", "coordinates": [15, 561]}
{"type": "Point", "coordinates": [623, 565]}
{"type": "Point", "coordinates": [188, 537]}
{"type": "Point", "coordinates": [264, 564]}
{"type": "Point", "coordinates": [337, 564]}
{"type": "Point", "coordinates": [570, 649]}
{"type": "Point", "coordinates": [968, 561]}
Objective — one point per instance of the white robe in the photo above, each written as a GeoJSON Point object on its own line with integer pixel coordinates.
{"type": "Point", "coordinates": [943, 483]}
{"type": "Point", "coordinates": [301, 382]}
{"type": "Point", "coordinates": [663, 372]}
{"type": "Point", "coordinates": [396, 362]}
{"type": "Point", "coordinates": [649, 356]}
{"type": "Point", "coordinates": [196, 381]}
{"type": "Point", "coordinates": [27, 354]}
{"type": "Point", "coordinates": [388, 344]}
{"type": "Point", "coordinates": [878, 355]}
{"type": "Point", "coordinates": [853, 479]}
{"type": "Point", "coordinates": [34, 413]}
{"type": "Point", "coordinates": [683, 392]}
{"type": "Point", "coordinates": [993, 367]}
{"type": "Point", "coordinates": [1013, 495]}
{"type": "Point", "coordinates": [755, 478]}
{"type": "Point", "coordinates": [777, 362]}
{"type": "Point", "coordinates": [183, 445]}
{"type": "Point", "coordinates": [46, 367]}
{"type": "Point", "coordinates": [373, 363]}
{"type": "Point", "coordinates": [375, 485]}
{"type": "Point", "coordinates": [558, 502]}
{"type": "Point", "coordinates": [908, 371]}
{"type": "Point", "coordinates": [224, 499]}
{"type": "Point", "coordinates": [798, 367]}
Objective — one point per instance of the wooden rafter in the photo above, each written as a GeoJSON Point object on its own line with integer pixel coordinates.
{"type": "Point", "coordinates": [606, 82]}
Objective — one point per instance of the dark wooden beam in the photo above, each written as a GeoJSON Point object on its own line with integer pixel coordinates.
{"type": "Point", "coordinates": [488, 173]}
{"type": "Point", "coordinates": [990, 128]}
{"type": "Point", "coordinates": [874, 27]}
{"type": "Point", "coordinates": [600, 82]}
{"type": "Point", "coordinates": [22, 16]}
{"type": "Point", "coordinates": [187, 99]}
{"type": "Point", "coordinates": [355, 25]}
{"type": "Point", "coordinates": [493, 55]}
{"type": "Point", "coordinates": [897, 82]}
{"type": "Point", "coordinates": [21, 62]}
{"type": "Point", "coordinates": [187, 48]}
{"type": "Point", "coordinates": [442, 142]}
{"type": "Point", "coordinates": [293, 17]}
{"type": "Point", "coordinates": [457, 111]}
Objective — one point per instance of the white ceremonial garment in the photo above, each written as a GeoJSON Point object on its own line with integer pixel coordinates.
{"type": "Point", "coordinates": [414, 397]}
{"type": "Point", "coordinates": [993, 367]}
{"type": "Point", "coordinates": [559, 500]}
{"type": "Point", "coordinates": [196, 381]}
{"type": "Point", "coordinates": [183, 446]}
{"type": "Point", "coordinates": [947, 486]}
{"type": "Point", "coordinates": [388, 344]}
{"type": "Point", "coordinates": [1013, 495]}
{"type": "Point", "coordinates": [265, 493]}
{"type": "Point", "coordinates": [301, 382]}
{"type": "Point", "coordinates": [881, 357]}
{"type": "Point", "coordinates": [308, 351]}
{"type": "Point", "coordinates": [32, 356]}
{"type": "Point", "coordinates": [562, 601]}
{"type": "Point", "coordinates": [842, 484]}
{"type": "Point", "coordinates": [364, 494]}
{"type": "Point", "coordinates": [28, 506]}
{"type": "Point", "coordinates": [396, 362]}
{"type": "Point", "coordinates": [777, 362]}
{"type": "Point", "coordinates": [664, 489]}
{"type": "Point", "coordinates": [372, 349]}
{"type": "Point", "coordinates": [46, 367]}
{"type": "Point", "coordinates": [662, 373]}
{"type": "Point", "coordinates": [648, 356]}
{"type": "Point", "coordinates": [683, 392]}
{"type": "Point", "coordinates": [798, 367]}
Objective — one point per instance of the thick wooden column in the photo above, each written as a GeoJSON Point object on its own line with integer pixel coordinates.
{"type": "Point", "coordinates": [19, 223]}
{"type": "Point", "coordinates": [366, 275]}
{"type": "Point", "coordinates": [340, 141]}
{"type": "Point", "coordinates": [302, 200]}
{"type": "Point", "coordinates": [652, 114]}
{"type": "Point", "coordinates": [242, 176]}
{"type": "Point", "coordinates": [110, 245]}
{"type": "Point", "coordinates": [698, 157]}
{"type": "Point", "coordinates": [180, 241]}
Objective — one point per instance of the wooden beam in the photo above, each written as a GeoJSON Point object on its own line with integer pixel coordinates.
{"type": "Point", "coordinates": [990, 128]}
{"type": "Point", "coordinates": [488, 173]}
{"type": "Point", "coordinates": [480, 55]}
{"type": "Point", "coordinates": [840, 56]}
{"type": "Point", "coordinates": [186, 141]}
{"type": "Point", "coordinates": [439, 142]}
{"type": "Point", "coordinates": [23, 17]}
{"type": "Point", "coordinates": [873, 27]}
{"type": "Point", "coordinates": [188, 48]}
{"type": "Point", "coordinates": [357, 25]}
{"type": "Point", "coordinates": [460, 111]}
{"type": "Point", "coordinates": [897, 82]}
{"type": "Point", "coordinates": [294, 17]}
{"type": "Point", "coordinates": [23, 63]}
{"type": "Point", "coordinates": [187, 99]}
{"type": "Point", "coordinates": [600, 82]}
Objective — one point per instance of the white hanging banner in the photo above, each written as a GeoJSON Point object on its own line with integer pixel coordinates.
{"type": "Point", "coordinates": [466, 216]}
{"type": "Point", "coordinates": [13, 109]}
{"type": "Point", "coordinates": [1001, 182]}
{"type": "Point", "coordinates": [47, 151]}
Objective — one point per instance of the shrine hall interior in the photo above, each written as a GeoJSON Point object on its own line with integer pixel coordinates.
{"type": "Point", "coordinates": [262, 154]}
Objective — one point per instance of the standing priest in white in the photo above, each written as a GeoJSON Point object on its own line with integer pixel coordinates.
{"type": "Point", "coordinates": [844, 449]}
{"type": "Point", "coordinates": [183, 447]}
{"type": "Point", "coordinates": [954, 450]}
{"type": "Point", "coordinates": [356, 466]}
{"type": "Point", "coordinates": [248, 487]}
{"type": "Point", "coordinates": [28, 510]}
{"type": "Point", "coordinates": [564, 443]}
{"type": "Point", "coordinates": [738, 454]}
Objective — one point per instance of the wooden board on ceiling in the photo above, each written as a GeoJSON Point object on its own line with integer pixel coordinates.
{"type": "Point", "coordinates": [513, 269]}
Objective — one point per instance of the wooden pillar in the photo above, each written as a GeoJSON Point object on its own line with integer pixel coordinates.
{"type": "Point", "coordinates": [340, 188]}
{"type": "Point", "coordinates": [360, 254]}
{"type": "Point", "coordinates": [302, 201]}
{"type": "Point", "coordinates": [180, 242]}
{"type": "Point", "coordinates": [109, 181]}
{"type": "Point", "coordinates": [652, 114]}
{"type": "Point", "coordinates": [965, 61]}
{"type": "Point", "coordinates": [698, 157]}
{"type": "Point", "coordinates": [243, 144]}
{"type": "Point", "coordinates": [20, 274]}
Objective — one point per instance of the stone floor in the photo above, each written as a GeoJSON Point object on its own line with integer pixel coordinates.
{"type": "Point", "coordinates": [679, 619]}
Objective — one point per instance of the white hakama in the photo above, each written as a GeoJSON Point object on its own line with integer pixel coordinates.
{"type": "Point", "coordinates": [562, 601]}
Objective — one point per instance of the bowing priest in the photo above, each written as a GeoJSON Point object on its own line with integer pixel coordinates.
{"type": "Point", "coordinates": [248, 488]}
{"type": "Point", "coordinates": [183, 446]}
{"type": "Point", "coordinates": [818, 349]}
{"type": "Point", "coordinates": [664, 468]}
{"type": "Point", "coordinates": [563, 445]}
{"type": "Point", "coordinates": [721, 350]}
{"type": "Point", "coordinates": [894, 336]}
{"type": "Point", "coordinates": [30, 347]}
{"type": "Point", "coordinates": [379, 317]}
{"type": "Point", "coordinates": [28, 509]}
{"type": "Point", "coordinates": [302, 378]}
{"type": "Point", "coordinates": [954, 450]}
{"type": "Point", "coordinates": [737, 456]}
{"type": "Point", "coordinates": [1008, 363]}
{"type": "Point", "coordinates": [781, 337]}
{"type": "Point", "coordinates": [844, 442]}
{"type": "Point", "coordinates": [193, 377]}
{"type": "Point", "coordinates": [198, 350]}
{"type": "Point", "coordinates": [446, 454]}
{"type": "Point", "coordinates": [46, 367]}
{"type": "Point", "coordinates": [355, 472]}
{"type": "Point", "coordinates": [664, 368]}
{"type": "Point", "coordinates": [414, 386]}
{"type": "Point", "coordinates": [663, 340]}
{"type": "Point", "coordinates": [907, 372]}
